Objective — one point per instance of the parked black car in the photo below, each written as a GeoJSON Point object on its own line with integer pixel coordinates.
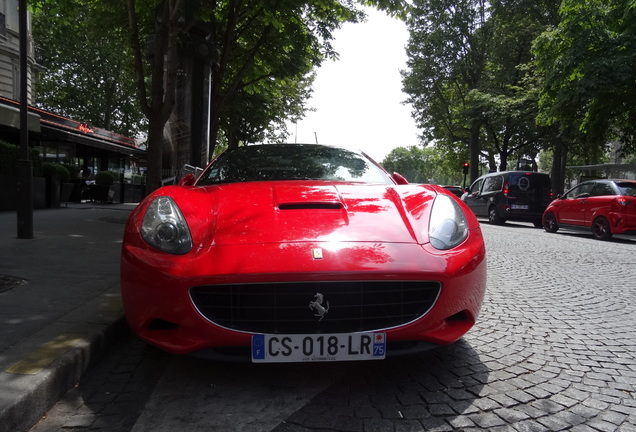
{"type": "Point", "coordinates": [510, 195]}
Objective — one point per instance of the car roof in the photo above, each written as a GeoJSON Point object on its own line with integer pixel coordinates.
{"type": "Point", "coordinates": [516, 171]}
{"type": "Point", "coordinates": [603, 180]}
{"type": "Point", "coordinates": [513, 171]}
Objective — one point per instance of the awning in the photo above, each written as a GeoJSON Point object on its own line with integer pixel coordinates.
{"type": "Point", "coordinates": [60, 134]}
{"type": "Point", "coordinates": [52, 127]}
{"type": "Point", "coordinates": [610, 170]}
{"type": "Point", "coordinates": [10, 116]}
{"type": "Point", "coordinates": [603, 167]}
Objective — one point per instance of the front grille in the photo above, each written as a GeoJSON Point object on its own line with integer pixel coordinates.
{"type": "Point", "coordinates": [285, 307]}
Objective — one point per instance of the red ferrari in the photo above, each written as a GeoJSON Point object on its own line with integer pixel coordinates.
{"type": "Point", "coordinates": [298, 253]}
{"type": "Point", "coordinates": [604, 207]}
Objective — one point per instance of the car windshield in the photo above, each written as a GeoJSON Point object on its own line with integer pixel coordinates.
{"type": "Point", "coordinates": [292, 162]}
{"type": "Point", "coordinates": [627, 188]}
{"type": "Point", "coordinates": [522, 182]}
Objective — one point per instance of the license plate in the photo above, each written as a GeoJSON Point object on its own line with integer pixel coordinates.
{"type": "Point", "coordinates": [271, 348]}
{"type": "Point", "coordinates": [519, 207]}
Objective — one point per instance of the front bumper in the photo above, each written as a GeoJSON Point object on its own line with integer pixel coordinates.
{"type": "Point", "coordinates": [156, 287]}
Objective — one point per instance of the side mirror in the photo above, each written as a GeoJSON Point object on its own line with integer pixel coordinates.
{"type": "Point", "coordinates": [399, 179]}
{"type": "Point", "coordinates": [187, 180]}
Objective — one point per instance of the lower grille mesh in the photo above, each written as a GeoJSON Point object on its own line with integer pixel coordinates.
{"type": "Point", "coordinates": [285, 307]}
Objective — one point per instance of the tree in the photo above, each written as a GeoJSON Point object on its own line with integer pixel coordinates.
{"type": "Point", "coordinates": [588, 67]}
{"type": "Point", "coordinates": [409, 162]}
{"type": "Point", "coordinates": [507, 98]}
{"type": "Point", "coordinates": [425, 165]}
{"type": "Point", "coordinates": [267, 50]}
{"type": "Point", "coordinates": [470, 76]}
{"type": "Point", "coordinates": [88, 76]}
{"type": "Point", "coordinates": [157, 98]}
{"type": "Point", "coordinates": [446, 58]}
{"type": "Point", "coordinates": [267, 53]}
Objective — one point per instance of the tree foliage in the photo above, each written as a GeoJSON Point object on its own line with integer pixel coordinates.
{"type": "Point", "coordinates": [268, 51]}
{"type": "Point", "coordinates": [426, 165]}
{"type": "Point", "coordinates": [588, 64]}
{"type": "Point", "coordinates": [470, 76]}
{"type": "Point", "coordinates": [88, 74]}
{"type": "Point", "coordinates": [446, 59]}
{"type": "Point", "coordinates": [491, 80]}
{"type": "Point", "coordinates": [510, 78]}
{"type": "Point", "coordinates": [410, 162]}
{"type": "Point", "coordinates": [264, 52]}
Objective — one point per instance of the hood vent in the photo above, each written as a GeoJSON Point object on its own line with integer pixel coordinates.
{"type": "Point", "coordinates": [311, 206]}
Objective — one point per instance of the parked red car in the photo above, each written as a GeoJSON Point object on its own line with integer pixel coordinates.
{"type": "Point", "coordinates": [298, 253]}
{"type": "Point", "coordinates": [605, 207]}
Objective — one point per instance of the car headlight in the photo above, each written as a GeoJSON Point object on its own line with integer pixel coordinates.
{"type": "Point", "coordinates": [448, 226]}
{"type": "Point", "coordinates": [165, 228]}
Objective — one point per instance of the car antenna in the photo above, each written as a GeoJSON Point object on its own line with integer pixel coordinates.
{"type": "Point", "coordinates": [316, 135]}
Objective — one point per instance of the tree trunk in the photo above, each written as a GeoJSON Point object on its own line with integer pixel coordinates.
{"type": "Point", "coordinates": [474, 148]}
{"type": "Point", "coordinates": [159, 104]}
{"type": "Point", "coordinates": [557, 173]}
{"type": "Point", "coordinates": [503, 154]}
{"type": "Point", "coordinates": [492, 162]}
{"type": "Point", "coordinates": [154, 154]}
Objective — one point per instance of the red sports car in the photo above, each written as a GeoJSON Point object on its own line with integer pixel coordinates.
{"type": "Point", "coordinates": [295, 252]}
{"type": "Point", "coordinates": [604, 207]}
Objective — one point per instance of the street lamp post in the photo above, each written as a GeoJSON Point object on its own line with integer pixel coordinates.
{"type": "Point", "coordinates": [25, 166]}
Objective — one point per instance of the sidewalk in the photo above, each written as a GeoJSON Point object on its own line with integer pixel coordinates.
{"type": "Point", "coordinates": [60, 305]}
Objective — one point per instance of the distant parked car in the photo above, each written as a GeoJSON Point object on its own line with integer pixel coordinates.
{"type": "Point", "coordinates": [510, 195]}
{"type": "Point", "coordinates": [456, 190]}
{"type": "Point", "coordinates": [604, 207]}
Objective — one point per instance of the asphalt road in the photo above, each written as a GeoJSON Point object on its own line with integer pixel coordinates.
{"type": "Point", "coordinates": [554, 349]}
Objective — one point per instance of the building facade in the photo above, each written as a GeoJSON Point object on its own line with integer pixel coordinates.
{"type": "Point", "coordinates": [58, 139]}
{"type": "Point", "coordinates": [10, 51]}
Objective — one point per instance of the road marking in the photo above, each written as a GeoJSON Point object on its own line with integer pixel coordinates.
{"type": "Point", "coordinates": [45, 355]}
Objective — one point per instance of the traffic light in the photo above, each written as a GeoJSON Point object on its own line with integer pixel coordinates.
{"type": "Point", "coordinates": [466, 166]}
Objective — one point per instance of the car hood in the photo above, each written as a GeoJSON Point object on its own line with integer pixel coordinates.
{"type": "Point", "coordinates": [290, 211]}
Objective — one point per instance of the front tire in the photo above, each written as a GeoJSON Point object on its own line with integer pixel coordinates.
{"type": "Point", "coordinates": [550, 223]}
{"type": "Point", "coordinates": [601, 228]}
{"type": "Point", "coordinates": [493, 216]}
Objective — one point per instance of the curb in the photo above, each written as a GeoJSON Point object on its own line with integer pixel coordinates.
{"type": "Point", "coordinates": [32, 395]}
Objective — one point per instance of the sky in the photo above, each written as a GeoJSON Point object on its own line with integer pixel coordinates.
{"type": "Point", "coordinates": [358, 98]}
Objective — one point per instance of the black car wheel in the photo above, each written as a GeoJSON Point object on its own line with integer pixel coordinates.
{"type": "Point", "coordinates": [550, 223]}
{"type": "Point", "coordinates": [493, 216]}
{"type": "Point", "coordinates": [601, 229]}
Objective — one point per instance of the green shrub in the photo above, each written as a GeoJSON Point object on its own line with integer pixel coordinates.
{"type": "Point", "coordinates": [9, 156]}
{"type": "Point", "coordinates": [56, 169]}
{"type": "Point", "coordinates": [73, 170]}
{"type": "Point", "coordinates": [104, 178]}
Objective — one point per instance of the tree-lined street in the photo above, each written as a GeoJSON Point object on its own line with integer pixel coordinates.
{"type": "Point", "coordinates": [489, 82]}
{"type": "Point", "coordinates": [553, 350]}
